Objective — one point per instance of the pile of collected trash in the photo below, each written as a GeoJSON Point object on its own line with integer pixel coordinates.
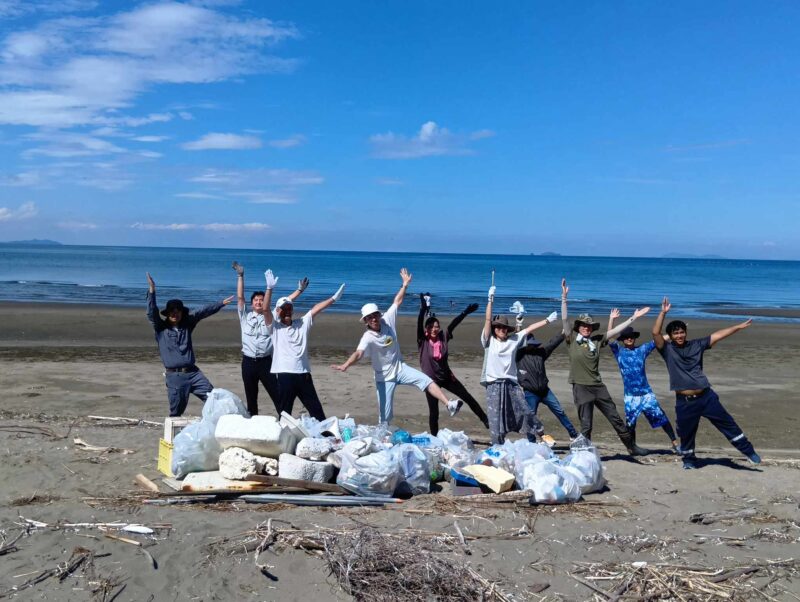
{"type": "Point", "coordinates": [375, 461]}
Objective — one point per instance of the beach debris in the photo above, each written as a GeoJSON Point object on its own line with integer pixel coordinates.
{"type": "Point", "coordinates": [122, 421]}
{"type": "Point", "coordinates": [34, 499]}
{"type": "Point", "coordinates": [126, 527]}
{"type": "Point", "coordinates": [496, 479]}
{"type": "Point", "coordinates": [133, 542]}
{"type": "Point", "coordinates": [32, 429]}
{"type": "Point", "coordinates": [8, 547]}
{"type": "Point", "coordinates": [236, 463]}
{"type": "Point", "coordinates": [62, 570]}
{"type": "Point", "coordinates": [143, 481]}
{"type": "Point", "coordinates": [260, 435]}
{"type": "Point", "coordinates": [83, 446]}
{"type": "Point", "coordinates": [212, 481]}
{"type": "Point", "coordinates": [313, 448]}
{"type": "Point", "coordinates": [292, 467]}
{"type": "Point", "coordinates": [318, 500]}
{"type": "Point", "coordinates": [748, 514]}
{"type": "Point", "coordinates": [634, 543]}
{"type": "Point", "coordinates": [298, 483]}
{"type": "Point", "coordinates": [374, 474]}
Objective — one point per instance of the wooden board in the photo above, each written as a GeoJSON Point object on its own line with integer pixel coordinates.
{"type": "Point", "coordinates": [212, 481]}
{"type": "Point", "coordinates": [310, 485]}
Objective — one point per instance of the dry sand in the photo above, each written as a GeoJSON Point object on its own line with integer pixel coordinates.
{"type": "Point", "coordinates": [60, 363]}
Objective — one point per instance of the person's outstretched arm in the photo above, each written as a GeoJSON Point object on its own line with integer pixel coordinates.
{"type": "Point", "coordinates": [323, 305]}
{"type": "Point", "coordinates": [424, 306]}
{"type": "Point", "coordinates": [551, 318]}
{"type": "Point", "coordinates": [487, 324]}
{"type": "Point", "coordinates": [270, 281]}
{"type": "Point", "coordinates": [716, 337]}
{"type": "Point", "coordinates": [356, 355]}
{"type": "Point", "coordinates": [209, 310]}
{"type": "Point", "coordinates": [398, 298]}
{"type": "Point", "coordinates": [564, 318]}
{"type": "Point", "coordinates": [612, 318]}
{"type": "Point", "coordinates": [152, 307]}
{"type": "Point", "coordinates": [302, 285]}
{"type": "Point", "coordinates": [240, 300]}
{"type": "Point", "coordinates": [460, 318]}
{"type": "Point", "coordinates": [612, 332]}
{"type": "Point", "coordinates": [658, 325]}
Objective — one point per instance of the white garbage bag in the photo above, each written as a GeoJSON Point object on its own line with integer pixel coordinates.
{"type": "Point", "coordinates": [550, 483]}
{"type": "Point", "coordinates": [414, 466]}
{"type": "Point", "coordinates": [377, 474]}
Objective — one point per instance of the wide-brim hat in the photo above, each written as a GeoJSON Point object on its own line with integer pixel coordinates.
{"type": "Point", "coordinates": [368, 309]}
{"type": "Point", "coordinates": [628, 333]}
{"type": "Point", "coordinates": [283, 301]}
{"type": "Point", "coordinates": [532, 341]}
{"type": "Point", "coordinates": [502, 322]}
{"type": "Point", "coordinates": [585, 319]}
{"type": "Point", "coordinates": [173, 304]}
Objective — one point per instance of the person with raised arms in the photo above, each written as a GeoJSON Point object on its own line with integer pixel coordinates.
{"type": "Point", "coordinates": [290, 343]}
{"type": "Point", "coordinates": [506, 406]}
{"type": "Point", "coordinates": [256, 343]}
{"type": "Point", "coordinates": [433, 343]}
{"type": "Point", "coordinates": [174, 338]}
{"type": "Point", "coordinates": [379, 343]}
{"type": "Point", "coordinates": [694, 397]}
{"type": "Point", "coordinates": [588, 390]}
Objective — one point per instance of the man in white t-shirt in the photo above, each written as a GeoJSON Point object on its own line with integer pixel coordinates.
{"type": "Point", "coordinates": [290, 349]}
{"type": "Point", "coordinates": [379, 343]}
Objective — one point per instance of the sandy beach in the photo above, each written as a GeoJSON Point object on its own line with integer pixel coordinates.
{"type": "Point", "coordinates": [63, 363]}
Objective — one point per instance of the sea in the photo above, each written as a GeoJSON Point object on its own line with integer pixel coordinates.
{"type": "Point", "coordinates": [110, 275]}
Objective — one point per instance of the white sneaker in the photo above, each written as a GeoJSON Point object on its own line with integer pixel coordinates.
{"type": "Point", "coordinates": [454, 405]}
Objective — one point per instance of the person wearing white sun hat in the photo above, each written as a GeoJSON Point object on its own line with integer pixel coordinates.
{"type": "Point", "coordinates": [379, 343]}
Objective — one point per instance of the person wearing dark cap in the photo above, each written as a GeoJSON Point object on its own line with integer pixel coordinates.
{"type": "Point", "coordinates": [694, 397]}
{"type": "Point", "coordinates": [433, 343]}
{"type": "Point", "coordinates": [638, 396]}
{"type": "Point", "coordinates": [588, 390]}
{"type": "Point", "coordinates": [174, 338]}
{"type": "Point", "coordinates": [531, 358]}
{"type": "Point", "coordinates": [505, 400]}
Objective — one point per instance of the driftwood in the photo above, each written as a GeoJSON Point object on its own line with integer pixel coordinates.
{"type": "Point", "coordinates": [142, 480]}
{"type": "Point", "coordinates": [709, 518]}
{"type": "Point", "coordinates": [121, 421]}
{"type": "Point", "coordinates": [82, 445]}
{"type": "Point", "coordinates": [297, 483]}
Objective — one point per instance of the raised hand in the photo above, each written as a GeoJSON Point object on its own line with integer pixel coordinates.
{"type": "Point", "coordinates": [338, 294]}
{"type": "Point", "coordinates": [745, 324]}
{"type": "Point", "coordinates": [564, 287]}
{"type": "Point", "coordinates": [552, 317]}
{"type": "Point", "coordinates": [271, 280]}
{"type": "Point", "coordinates": [404, 274]}
{"type": "Point", "coordinates": [640, 312]}
{"type": "Point", "coordinates": [471, 307]}
{"type": "Point", "coordinates": [614, 314]}
{"type": "Point", "coordinates": [302, 284]}
{"type": "Point", "coordinates": [150, 282]}
{"type": "Point", "coordinates": [492, 290]}
{"type": "Point", "coordinates": [228, 300]}
{"type": "Point", "coordinates": [665, 305]}
{"type": "Point", "coordinates": [238, 268]}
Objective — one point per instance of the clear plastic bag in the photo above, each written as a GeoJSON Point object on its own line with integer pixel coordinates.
{"type": "Point", "coordinates": [550, 483]}
{"type": "Point", "coordinates": [458, 449]}
{"type": "Point", "coordinates": [585, 466]}
{"type": "Point", "coordinates": [221, 402]}
{"type": "Point", "coordinates": [377, 474]}
{"type": "Point", "coordinates": [414, 466]}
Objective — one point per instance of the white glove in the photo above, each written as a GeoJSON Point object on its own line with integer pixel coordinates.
{"type": "Point", "coordinates": [301, 284]}
{"type": "Point", "coordinates": [552, 317]}
{"type": "Point", "coordinates": [338, 294]}
{"type": "Point", "coordinates": [492, 290]}
{"type": "Point", "coordinates": [271, 280]}
{"type": "Point", "coordinates": [520, 319]}
{"type": "Point", "coordinates": [427, 299]}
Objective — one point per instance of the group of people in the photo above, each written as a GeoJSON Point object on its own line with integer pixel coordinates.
{"type": "Point", "coordinates": [275, 355]}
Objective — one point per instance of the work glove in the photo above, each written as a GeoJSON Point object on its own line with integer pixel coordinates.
{"type": "Point", "coordinates": [271, 280]}
{"type": "Point", "coordinates": [492, 290]}
{"type": "Point", "coordinates": [338, 294]}
{"type": "Point", "coordinates": [238, 267]}
{"type": "Point", "coordinates": [552, 317]}
{"type": "Point", "coordinates": [302, 284]}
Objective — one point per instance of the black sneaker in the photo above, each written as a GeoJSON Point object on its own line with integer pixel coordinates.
{"type": "Point", "coordinates": [689, 464]}
{"type": "Point", "coordinates": [635, 450]}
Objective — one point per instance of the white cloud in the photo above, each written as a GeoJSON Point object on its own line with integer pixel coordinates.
{"type": "Point", "coordinates": [256, 178]}
{"type": "Point", "coordinates": [71, 71]}
{"type": "Point", "coordinates": [213, 227]}
{"type": "Point", "coordinates": [23, 178]}
{"type": "Point", "coordinates": [77, 226]}
{"type": "Point", "coordinates": [430, 141]}
{"type": "Point", "coordinates": [198, 195]}
{"type": "Point", "coordinates": [10, 9]}
{"type": "Point", "coordinates": [291, 141]}
{"type": "Point", "coordinates": [63, 144]}
{"type": "Point", "coordinates": [150, 138]}
{"type": "Point", "coordinates": [389, 181]}
{"type": "Point", "coordinates": [264, 198]}
{"type": "Point", "coordinates": [24, 211]}
{"type": "Point", "coordinates": [216, 141]}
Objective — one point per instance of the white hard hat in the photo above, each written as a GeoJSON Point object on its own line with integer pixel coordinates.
{"type": "Point", "coordinates": [369, 308]}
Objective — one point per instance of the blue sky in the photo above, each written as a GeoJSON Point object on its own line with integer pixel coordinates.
{"type": "Point", "coordinates": [602, 128]}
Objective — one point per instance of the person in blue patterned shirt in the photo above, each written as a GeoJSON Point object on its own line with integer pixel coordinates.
{"type": "Point", "coordinates": [638, 395]}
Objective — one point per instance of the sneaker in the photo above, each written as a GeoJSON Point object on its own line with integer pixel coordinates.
{"type": "Point", "coordinates": [635, 450]}
{"type": "Point", "coordinates": [689, 464]}
{"type": "Point", "coordinates": [754, 458]}
{"type": "Point", "coordinates": [676, 449]}
{"type": "Point", "coordinates": [454, 405]}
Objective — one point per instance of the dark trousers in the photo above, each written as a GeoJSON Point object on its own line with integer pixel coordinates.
{"type": "Point", "coordinates": [586, 398]}
{"type": "Point", "coordinates": [551, 401]}
{"type": "Point", "coordinates": [256, 370]}
{"type": "Point", "coordinates": [292, 385]}
{"type": "Point", "coordinates": [180, 385]}
{"type": "Point", "coordinates": [457, 388]}
{"type": "Point", "coordinates": [689, 411]}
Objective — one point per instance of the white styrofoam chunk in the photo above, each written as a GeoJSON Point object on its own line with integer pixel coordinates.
{"type": "Point", "coordinates": [292, 467]}
{"type": "Point", "coordinates": [236, 463]}
{"type": "Point", "coordinates": [260, 435]}
{"type": "Point", "coordinates": [312, 448]}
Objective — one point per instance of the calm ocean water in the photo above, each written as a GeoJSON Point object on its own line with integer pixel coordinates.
{"type": "Point", "coordinates": [116, 276]}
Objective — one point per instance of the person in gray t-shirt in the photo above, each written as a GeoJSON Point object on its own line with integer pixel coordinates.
{"type": "Point", "coordinates": [694, 397]}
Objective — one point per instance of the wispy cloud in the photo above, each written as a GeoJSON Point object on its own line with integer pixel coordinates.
{"type": "Point", "coordinates": [264, 198]}
{"type": "Point", "coordinates": [389, 181]}
{"type": "Point", "coordinates": [150, 138]}
{"type": "Point", "coordinates": [70, 71]}
{"type": "Point", "coordinates": [11, 9]}
{"type": "Point", "coordinates": [24, 211]}
{"type": "Point", "coordinates": [22, 178]}
{"type": "Point", "coordinates": [706, 146]}
{"type": "Point", "coordinates": [216, 141]}
{"type": "Point", "coordinates": [203, 196]}
{"type": "Point", "coordinates": [290, 142]}
{"type": "Point", "coordinates": [430, 141]}
{"type": "Point", "coordinates": [256, 178]}
{"type": "Point", "coordinates": [65, 144]}
{"type": "Point", "coordinates": [77, 226]}
{"type": "Point", "coordinates": [214, 227]}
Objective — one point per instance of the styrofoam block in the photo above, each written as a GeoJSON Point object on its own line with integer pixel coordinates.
{"type": "Point", "coordinates": [260, 435]}
{"type": "Point", "coordinates": [292, 467]}
{"type": "Point", "coordinates": [237, 463]}
{"type": "Point", "coordinates": [311, 448]}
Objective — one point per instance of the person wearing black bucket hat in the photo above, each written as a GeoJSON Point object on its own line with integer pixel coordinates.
{"type": "Point", "coordinates": [588, 390]}
{"type": "Point", "coordinates": [174, 338]}
{"type": "Point", "coordinates": [638, 395]}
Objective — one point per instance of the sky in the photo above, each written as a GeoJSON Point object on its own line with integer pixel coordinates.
{"type": "Point", "coordinates": [621, 128]}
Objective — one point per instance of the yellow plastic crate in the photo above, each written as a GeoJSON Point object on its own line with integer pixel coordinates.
{"type": "Point", "coordinates": [165, 457]}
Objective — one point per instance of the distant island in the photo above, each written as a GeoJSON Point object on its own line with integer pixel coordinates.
{"type": "Point", "coordinates": [690, 256]}
{"type": "Point", "coordinates": [34, 242]}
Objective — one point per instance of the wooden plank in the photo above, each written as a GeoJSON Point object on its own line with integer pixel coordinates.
{"type": "Point", "coordinates": [142, 480]}
{"type": "Point", "coordinates": [300, 483]}
{"type": "Point", "coordinates": [173, 484]}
